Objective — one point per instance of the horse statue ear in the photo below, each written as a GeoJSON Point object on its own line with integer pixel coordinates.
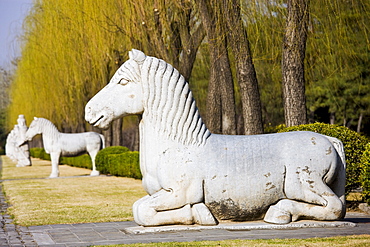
{"type": "Point", "coordinates": [137, 55]}
{"type": "Point", "coordinates": [35, 118]}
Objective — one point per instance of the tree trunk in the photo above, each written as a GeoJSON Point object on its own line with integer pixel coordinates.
{"type": "Point", "coordinates": [213, 114]}
{"type": "Point", "coordinates": [190, 43]}
{"type": "Point", "coordinates": [108, 136]}
{"type": "Point", "coordinates": [332, 118]}
{"type": "Point", "coordinates": [116, 138]}
{"type": "Point", "coordinates": [359, 122]}
{"type": "Point", "coordinates": [245, 71]}
{"type": "Point", "coordinates": [117, 132]}
{"type": "Point", "coordinates": [220, 99]}
{"type": "Point", "coordinates": [294, 46]}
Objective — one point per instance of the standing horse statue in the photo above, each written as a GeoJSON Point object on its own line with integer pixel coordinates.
{"type": "Point", "coordinates": [195, 177]}
{"type": "Point", "coordinates": [65, 144]}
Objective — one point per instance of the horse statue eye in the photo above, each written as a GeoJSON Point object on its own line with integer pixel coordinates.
{"type": "Point", "coordinates": [123, 81]}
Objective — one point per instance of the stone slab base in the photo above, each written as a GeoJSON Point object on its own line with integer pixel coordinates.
{"type": "Point", "coordinates": [241, 226]}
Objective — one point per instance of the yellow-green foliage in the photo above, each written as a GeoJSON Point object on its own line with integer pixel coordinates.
{"type": "Point", "coordinates": [354, 146]}
{"type": "Point", "coordinates": [68, 55]}
{"type": "Point", "coordinates": [365, 176]}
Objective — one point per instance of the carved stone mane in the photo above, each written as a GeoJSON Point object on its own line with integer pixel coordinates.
{"type": "Point", "coordinates": [170, 105]}
{"type": "Point", "coordinates": [47, 128]}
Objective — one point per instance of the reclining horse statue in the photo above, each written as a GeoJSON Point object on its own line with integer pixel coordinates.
{"type": "Point", "coordinates": [195, 177]}
{"type": "Point", "coordinates": [65, 144]}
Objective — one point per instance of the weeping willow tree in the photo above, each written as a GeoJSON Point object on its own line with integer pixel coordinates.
{"type": "Point", "coordinates": [72, 48]}
{"type": "Point", "coordinates": [66, 58]}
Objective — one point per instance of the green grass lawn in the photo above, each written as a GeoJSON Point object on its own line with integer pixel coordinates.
{"type": "Point", "coordinates": [73, 199]}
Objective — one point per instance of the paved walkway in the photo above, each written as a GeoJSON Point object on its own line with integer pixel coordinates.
{"type": "Point", "coordinates": [129, 232]}
{"type": "Point", "coordinates": [120, 233]}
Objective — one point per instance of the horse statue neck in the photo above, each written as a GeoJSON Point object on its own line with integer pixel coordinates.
{"type": "Point", "coordinates": [170, 107]}
{"type": "Point", "coordinates": [48, 130]}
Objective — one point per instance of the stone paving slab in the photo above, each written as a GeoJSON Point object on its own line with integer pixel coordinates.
{"type": "Point", "coordinates": [255, 225]}
{"type": "Point", "coordinates": [129, 232]}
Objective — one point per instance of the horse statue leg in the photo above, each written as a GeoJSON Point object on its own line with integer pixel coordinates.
{"type": "Point", "coordinates": [54, 164]}
{"type": "Point", "coordinates": [169, 207]}
{"type": "Point", "coordinates": [314, 200]}
{"type": "Point", "coordinates": [93, 154]}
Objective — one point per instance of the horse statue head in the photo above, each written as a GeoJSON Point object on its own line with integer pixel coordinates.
{"type": "Point", "coordinates": [152, 87]}
{"type": "Point", "coordinates": [33, 130]}
{"type": "Point", "coordinates": [126, 83]}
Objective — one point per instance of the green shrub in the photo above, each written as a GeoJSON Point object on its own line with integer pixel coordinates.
{"type": "Point", "coordinates": [124, 165]}
{"type": "Point", "coordinates": [39, 153]}
{"type": "Point", "coordinates": [354, 146]}
{"type": "Point", "coordinates": [36, 152]}
{"type": "Point", "coordinates": [116, 160]}
{"type": "Point", "coordinates": [83, 161]}
{"type": "Point", "coordinates": [365, 176]}
{"type": "Point", "coordinates": [101, 159]}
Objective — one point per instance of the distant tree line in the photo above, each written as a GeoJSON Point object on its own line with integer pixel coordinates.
{"type": "Point", "coordinates": [250, 64]}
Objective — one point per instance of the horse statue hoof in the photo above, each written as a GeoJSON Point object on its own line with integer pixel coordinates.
{"type": "Point", "coordinates": [275, 215]}
{"type": "Point", "coordinates": [54, 175]}
{"type": "Point", "coordinates": [202, 215]}
{"type": "Point", "coordinates": [95, 173]}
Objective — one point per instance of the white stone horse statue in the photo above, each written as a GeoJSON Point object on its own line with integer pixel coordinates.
{"type": "Point", "coordinates": [193, 176]}
{"type": "Point", "coordinates": [65, 144]}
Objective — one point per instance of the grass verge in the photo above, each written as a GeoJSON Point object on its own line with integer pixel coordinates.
{"type": "Point", "coordinates": [63, 200]}
{"type": "Point", "coordinates": [346, 241]}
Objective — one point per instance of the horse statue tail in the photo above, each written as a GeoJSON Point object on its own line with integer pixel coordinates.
{"type": "Point", "coordinates": [338, 185]}
{"type": "Point", "coordinates": [338, 145]}
{"type": "Point", "coordinates": [102, 141]}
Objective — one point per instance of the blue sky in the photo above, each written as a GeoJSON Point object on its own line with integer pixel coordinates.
{"type": "Point", "coordinates": [12, 13]}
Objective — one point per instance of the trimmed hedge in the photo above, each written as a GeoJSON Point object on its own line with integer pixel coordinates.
{"type": "Point", "coordinates": [123, 165]}
{"type": "Point", "coordinates": [354, 146]}
{"type": "Point", "coordinates": [101, 159]}
{"type": "Point", "coordinates": [39, 153]}
{"type": "Point", "coordinates": [115, 160]}
{"type": "Point", "coordinates": [83, 161]}
{"type": "Point", "coordinates": [365, 176]}
{"type": "Point", "coordinates": [118, 161]}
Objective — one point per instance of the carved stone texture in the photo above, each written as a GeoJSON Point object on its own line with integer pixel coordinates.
{"type": "Point", "coordinates": [65, 144]}
{"type": "Point", "coordinates": [195, 177]}
{"type": "Point", "coordinates": [18, 153]}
